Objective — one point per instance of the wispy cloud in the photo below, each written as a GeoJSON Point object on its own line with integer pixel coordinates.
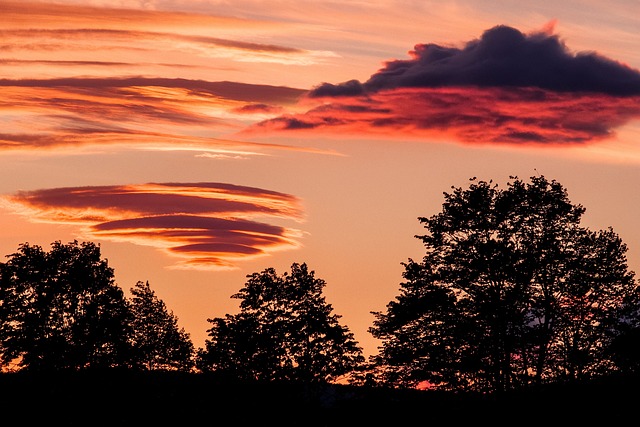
{"type": "Point", "coordinates": [133, 112]}
{"type": "Point", "coordinates": [90, 64]}
{"type": "Point", "coordinates": [505, 87]}
{"type": "Point", "coordinates": [83, 39]}
{"type": "Point", "coordinates": [86, 77]}
{"type": "Point", "coordinates": [207, 225]}
{"type": "Point", "coordinates": [81, 30]}
{"type": "Point", "coordinates": [105, 87]}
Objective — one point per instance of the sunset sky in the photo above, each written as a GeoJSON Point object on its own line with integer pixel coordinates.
{"type": "Point", "coordinates": [201, 141]}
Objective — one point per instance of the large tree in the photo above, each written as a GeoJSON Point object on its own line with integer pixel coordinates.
{"type": "Point", "coordinates": [512, 291]}
{"type": "Point", "coordinates": [61, 309]}
{"type": "Point", "coordinates": [284, 331]}
{"type": "Point", "coordinates": [158, 341]}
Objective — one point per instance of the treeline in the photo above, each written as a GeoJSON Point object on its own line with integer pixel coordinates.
{"type": "Point", "coordinates": [512, 293]}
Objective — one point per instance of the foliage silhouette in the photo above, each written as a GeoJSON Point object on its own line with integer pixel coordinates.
{"type": "Point", "coordinates": [158, 342]}
{"type": "Point", "coordinates": [284, 331]}
{"type": "Point", "coordinates": [118, 397]}
{"type": "Point", "coordinates": [512, 292]}
{"type": "Point", "coordinates": [625, 351]}
{"type": "Point", "coordinates": [61, 310]}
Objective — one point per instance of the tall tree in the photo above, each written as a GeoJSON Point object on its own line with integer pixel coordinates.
{"type": "Point", "coordinates": [284, 331]}
{"type": "Point", "coordinates": [158, 341]}
{"type": "Point", "coordinates": [512, 291]}
{"type": "Point", "coordinates": [61, 309]}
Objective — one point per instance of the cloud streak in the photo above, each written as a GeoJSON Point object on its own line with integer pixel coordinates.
{"type": "Point", "coordinates": [206, 225]}
{"type": "Point", "coordinates": [78, 30]}
{"type": "Point", "coordinates": [134, 112]}
{"type": "Point", "coordinates": [118, 86]}
{"type": "Point", "coordinates": [83, 39]}
{"type": "Point", "coordinates": [506, 87]}
{"type": "Point", "coordinates": [86, 78]}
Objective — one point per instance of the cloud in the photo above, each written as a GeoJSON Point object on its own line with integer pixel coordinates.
{"type": "Point", "coordinates": [65, 64]}
{"type": "Point", "coordinates": [77, 140]}
{"type": "Point", "coordinates": [23, 62]}
{"type": "Point", "coordinates": [128, 35]}
{"type": "Point", "coordinates": [36, 14]}
{"type": "Point", "coordinates": [116, 86]}
{"type": "Point", "coordinates": [97, 30]}
{"type": "Point", "coordinates": [504, 87]}
{"type": "Point", "coordinates": [207, 225]}
{"type": "Point", "coordinates": [473, 115]}
{"type": "Point", "coordinates": [92, 78]}
{"type": "Point", "coordinates": [258, 109]}
{"type": "Point", "coordinates": [134, 112]}
{"type": "Point", "coordinates": [502, 57]}
{"type": "Point", "coordinates": [84, 39]}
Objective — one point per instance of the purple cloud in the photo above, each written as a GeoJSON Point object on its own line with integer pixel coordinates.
{"type": "Point", "coordinates": [502, 57]}
{"type": "Point", "coordinates": [208, 225]}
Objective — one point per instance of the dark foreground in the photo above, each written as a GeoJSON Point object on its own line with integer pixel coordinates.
{"type": "Point", "coordinates": [120, 398]}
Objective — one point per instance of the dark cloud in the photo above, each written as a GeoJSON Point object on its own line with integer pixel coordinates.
{"type": "Point", "coordinates": [506, 87]}
{"type": "Point", "coordinates": [348, 88]}
{"type": "Point", "coordinates": [502, 57]}
{"type": "Point", "coordinates": [258, 109]}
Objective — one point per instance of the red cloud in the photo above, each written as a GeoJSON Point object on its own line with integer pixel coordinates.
{"type": "Point", "coordinates": [209, 225]}
{"type": "Point", "coordinates": [478, 115]}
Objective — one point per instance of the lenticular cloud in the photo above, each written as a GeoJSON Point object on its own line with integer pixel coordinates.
{"type": "Point", "coordinates": [506, 87]}
{"type": "Point", "coordinates": [207, 225]}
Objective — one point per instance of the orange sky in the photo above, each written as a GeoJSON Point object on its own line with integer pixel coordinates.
{"type": "Point", "coordinates": [201, 141]}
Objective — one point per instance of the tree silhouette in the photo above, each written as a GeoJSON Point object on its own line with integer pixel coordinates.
{"type": "Point", "coordinates": [157, 340]}
{"type": "Point", "coordinates": [511, 292]}
{"type": "Point", "coordinates": [284, 331]}
{"type": "Point", "coordinates": [61, 309]}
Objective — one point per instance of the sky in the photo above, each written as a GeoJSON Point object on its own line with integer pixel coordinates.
{"type": "Point", "coordinates": [198, 142]}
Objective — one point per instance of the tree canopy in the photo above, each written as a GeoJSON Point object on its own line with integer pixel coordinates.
{"type": "Point", "coordinates": [158, 341]}
{"type": "Point", "coordinates": [62, 309]}
{"type": "Point", "coordinates": [285, 331]}
{"type": "Point", "coordinates": [512, 291]}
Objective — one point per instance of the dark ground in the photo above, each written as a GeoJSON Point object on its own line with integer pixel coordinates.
{"type": "Point", "coordinates": [120, 398]}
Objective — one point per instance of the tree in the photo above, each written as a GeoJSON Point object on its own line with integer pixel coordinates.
{"type": "Point", "coordinates": [157, 340]}
{"type": "Point", "coordinates": [512, 291]}
{"type": "Point", "coordinates": [284, 331]}
{"type": "Point", "coordinates": [61, 309]}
